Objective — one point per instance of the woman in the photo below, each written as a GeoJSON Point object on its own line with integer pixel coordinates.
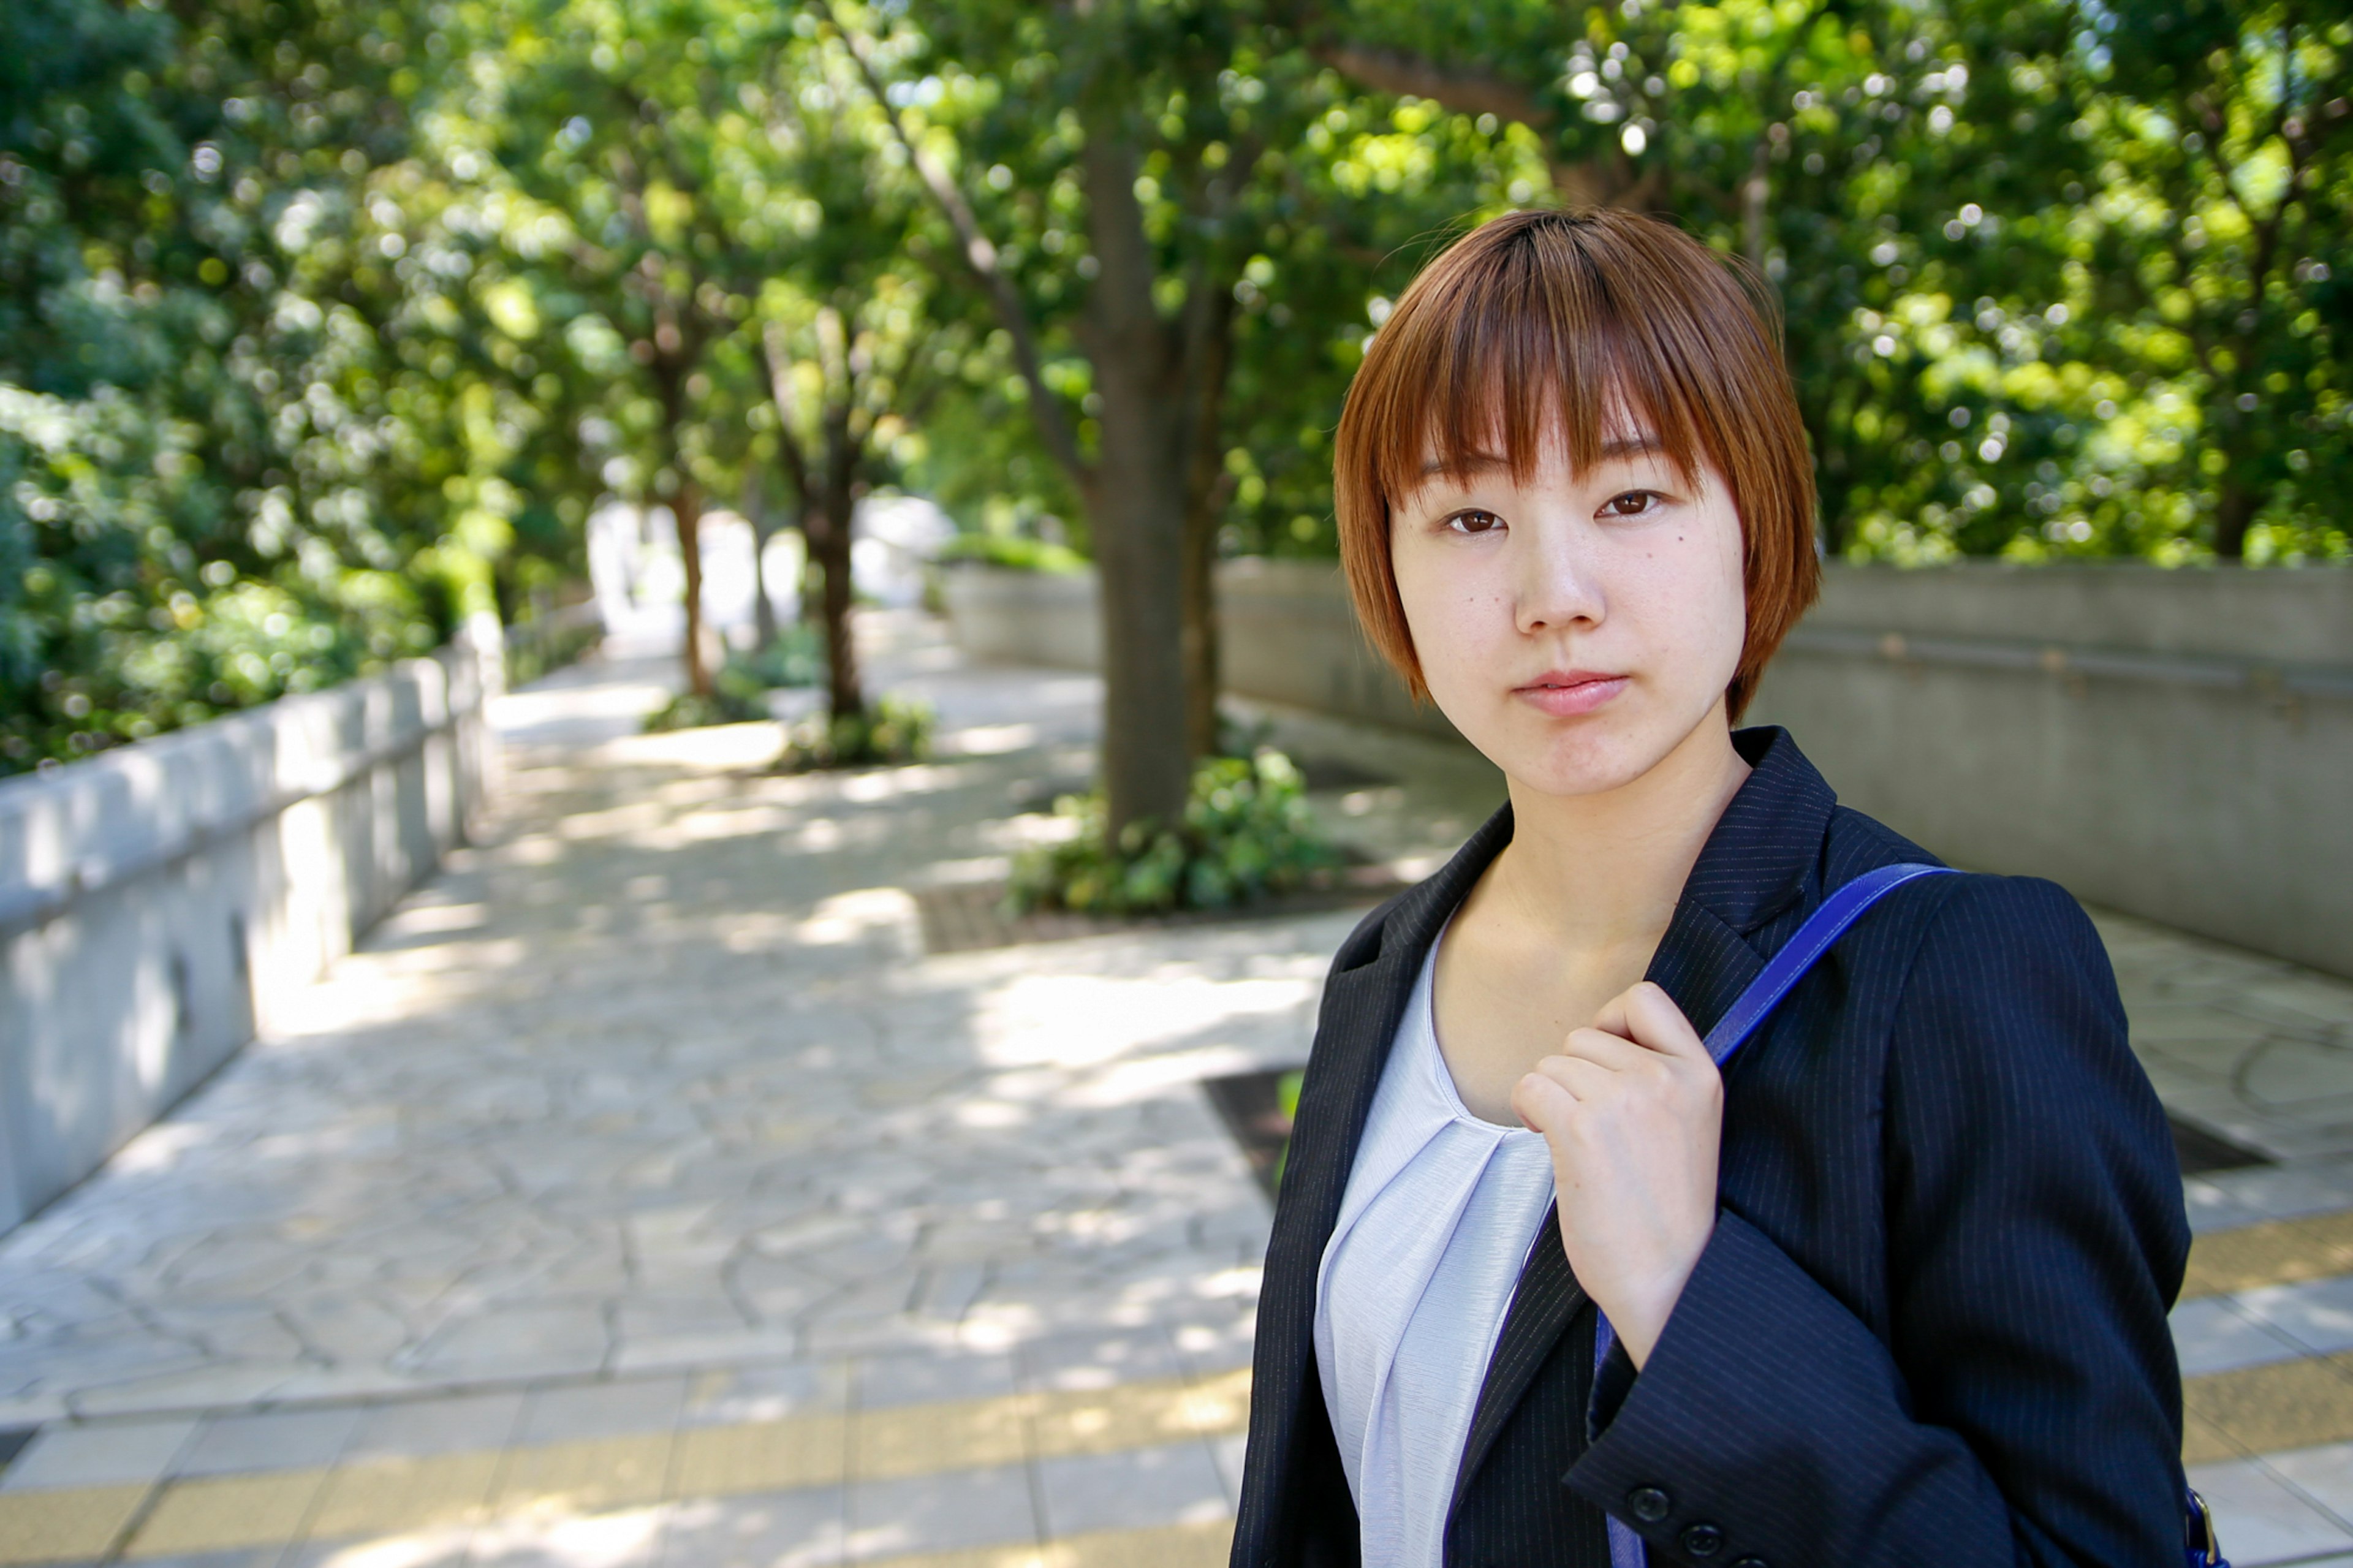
{"type": "Point", "coordinates": [1892, 1289]}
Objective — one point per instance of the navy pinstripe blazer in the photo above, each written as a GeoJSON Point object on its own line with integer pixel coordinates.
{"type": "Point", "coordinates": [1930, 1328]}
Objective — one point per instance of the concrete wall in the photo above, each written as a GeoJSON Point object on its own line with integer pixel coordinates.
{"type": "Point", "coordinates": [1287, 635]}
{"type": "Point", "coordinates": [2176, 745]}
{"type": "Point", "coordinates": [157, 901]}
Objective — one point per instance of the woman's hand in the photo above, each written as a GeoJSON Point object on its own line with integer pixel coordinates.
{"type": "Point", "coordinates": [1633, 1110]}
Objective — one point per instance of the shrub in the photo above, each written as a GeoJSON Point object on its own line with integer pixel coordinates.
{"type": "Point", "coordinates": [893, 729]}
{"type": "Point", "coordinates": [1014, 553]}
{"type": "Point", "coordinates": [739, 693]}
{"type": "Point", "coordinates": [1246, 833]}
{"type": "Point", "coordinates": [796, 658]}
{"type": "Point", "coordinates": [737, 698]}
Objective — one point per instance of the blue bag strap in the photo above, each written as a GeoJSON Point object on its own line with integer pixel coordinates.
{"type": "Point", "coordinates": [1787, 967]}
{"type": "Point", "coordinates": [1783, 970]}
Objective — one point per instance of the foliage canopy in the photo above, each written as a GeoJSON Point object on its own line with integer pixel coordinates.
{"type": "Point", "coordinates": [323, 323]}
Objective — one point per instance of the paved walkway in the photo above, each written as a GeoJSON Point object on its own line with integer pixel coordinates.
{"type": "Point", "coordinates": [643, 1193]}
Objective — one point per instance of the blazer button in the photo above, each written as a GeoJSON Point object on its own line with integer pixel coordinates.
{"type": "Point", "coordinates": [1748, 1563]}
{"type": "Point", "coordinates": [1702, 1541]}
{"type": "Point", "coordinates": [1649, 1504]}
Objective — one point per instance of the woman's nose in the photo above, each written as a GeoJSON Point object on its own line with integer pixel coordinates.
{"type": "Point", "coordinates": [1555, 589]}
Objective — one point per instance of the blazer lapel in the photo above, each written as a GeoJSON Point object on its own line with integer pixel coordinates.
{"type": "Point", "coordinates": [1756, 865]}
{"type": "Point", "coordinates": [1543, 1303]}
{"type": "Point", "coordinates": [1355, 1027]}
{"type": "Point", "coordinates": [1361, 1010]}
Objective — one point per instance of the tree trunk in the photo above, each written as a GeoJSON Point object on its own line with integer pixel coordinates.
{"type": "Point", "coordinates": [687, 508]}
{"type": "Point", "coordinates": [1199, 623]}
{"type": "Point", "coordinates": [1137, 503]}
{"type": "Point", "coordinates": [763, 528]}
{"type": "Point", "coordinates": [1206, 488]}
{"type": "Point", "coordinates": [828, 529]}
{"type": "Point", "coordinates": [2234, 512]}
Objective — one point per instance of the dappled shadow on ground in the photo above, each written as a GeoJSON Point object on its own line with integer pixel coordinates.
{"type": "Point", "coordinates": [659, 1076]}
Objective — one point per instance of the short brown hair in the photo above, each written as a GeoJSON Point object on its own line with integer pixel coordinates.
{"type": "Point", "coordinates": [1545, 318]}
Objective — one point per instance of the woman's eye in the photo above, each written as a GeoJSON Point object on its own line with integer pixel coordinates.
{"type": "Point", "coordinates": [1473, 521]}
{"type": "Point", "coordinates": [1633, 503]}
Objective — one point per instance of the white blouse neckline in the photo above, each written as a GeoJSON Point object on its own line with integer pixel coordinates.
{"type": "Point", "coordinates": [1439, 1212]}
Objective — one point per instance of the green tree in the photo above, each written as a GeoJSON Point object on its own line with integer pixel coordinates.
{"type": "Point", "coordinates": [623, 131]}
{"type": "Point", "coordinates": [2220, 249]}
{"type": "Point", "coordinates": [217, 489]}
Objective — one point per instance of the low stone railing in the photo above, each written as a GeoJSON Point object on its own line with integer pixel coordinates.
{"type": "Point", "coordinates": [2178, 745]}
{"type": "Point", "coordinates": [157, 901]}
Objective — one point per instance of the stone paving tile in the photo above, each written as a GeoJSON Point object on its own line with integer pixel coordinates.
{"type": "Point", "coordinates": [2318, 1315]}
{"type": "Point", "coordinates": [1228, 1453]}
{"type": "Point", "coordinates": [274, 1440]}
{"type": "Point", "coordinates": [2322, 1476]}
{"type": "Point", "coordinates": [800, 1529]}
{"type": "Point", "coordinates": [626, 1539]}
{"type": "Point", "coordinates": [2234, 1199]}
{"type": "Point", "coordinates": [219, 1513]}
{"type": "Point", "coordinates": [927, 1377]}
{"type": "Point", "coordinates": [2217, 1336]}
{"type": "Point", "coordinates": [1175, 1484]}
{"type": "Point", "coordinates": [420, 1549]}
{"type": "Point", "coordinates": [236, 1557]}
{"type": "Point", "coordinates": [66, 1525]}
{"type": "Point", "coordinates": [2262, 1518]}
{"type": "Point", "coordinates": [112, 1453]}
{"type": "Point", "coordinates": [942, 1512]}
{"type": "Point", "coordinates": [415, 1428]}
{"type": "Point", "coordinates": [602, 1410]}
{"type": "Point", "coordinates": [1100, 1359]}
{"type": "Point", "coordinates": [400, 1496]}
{"type": "Point", "coordinates": [734, 1396]}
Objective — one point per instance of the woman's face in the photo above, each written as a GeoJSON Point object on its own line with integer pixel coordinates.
{"type": "Point", "coordinates": [1578, 628]}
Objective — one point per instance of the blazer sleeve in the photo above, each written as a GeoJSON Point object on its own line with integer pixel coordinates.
{"type": "Point", "coordinates": [2022, 1406]}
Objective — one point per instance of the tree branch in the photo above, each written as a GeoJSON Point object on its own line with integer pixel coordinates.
{"type": "Point", "coordinates": [1596, 181]}
{"type": "Point", "coordinates": [981, 256]}
{"type": "Point", "coordinates": [1465, 92]}
{"type": "Point", "coordinates": [780, 389]}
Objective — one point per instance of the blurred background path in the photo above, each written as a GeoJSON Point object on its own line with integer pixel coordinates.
{"type": "Point", "coordinates": [646, 1191]}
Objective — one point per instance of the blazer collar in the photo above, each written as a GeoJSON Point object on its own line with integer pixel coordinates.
{"type": "Point", "coordinates": [1761, 860]}
{"type": "Point", "coordinates": [1372, 996]}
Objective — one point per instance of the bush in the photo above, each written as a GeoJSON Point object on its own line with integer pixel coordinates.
{"type": "Point", "coordinates": [737, 697]}
{"type": "Point", "coordinates": [893, 729]}
{"type": "Point", "coordinates": [739, 693]}
{"type": "Point", "coordinates": [1246, 833]}
{"type": "Point", "coordinates": [1014, 553]}
{"type": "Point", "coordinates": [796, 658]}
{"type": "Point", "coordinates": [545, 644]}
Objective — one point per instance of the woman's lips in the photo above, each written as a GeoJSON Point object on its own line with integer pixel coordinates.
{"type": "Point", "coordinates": [1568, 695]}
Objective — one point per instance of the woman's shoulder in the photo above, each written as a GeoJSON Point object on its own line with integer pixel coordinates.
{"type": "Point", "coordinates": [2013, 965]}
{"type": "Point", "coordinates": [1966, 907]}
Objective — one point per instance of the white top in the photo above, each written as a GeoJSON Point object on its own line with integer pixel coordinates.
{"type": "Point", "coordinates": [1440, 1213]}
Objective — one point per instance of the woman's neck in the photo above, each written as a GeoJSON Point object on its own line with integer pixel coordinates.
{"type": "Point", "coordinates": [1597, 871]}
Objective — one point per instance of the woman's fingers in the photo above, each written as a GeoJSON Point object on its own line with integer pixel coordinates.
{"type": "Point", "coordinates": [1603, 1049]}
{"type": "Point", "coordinates": [1646, 1015]}
{"type": "Point", "coordinates": [1543, 1103]}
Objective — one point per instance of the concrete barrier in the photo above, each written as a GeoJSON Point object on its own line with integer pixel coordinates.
{"type": "Point", "coordinates": [157, 901]}
{"type": "Point", "coordinates": [2175, 745]}
{"type": "Point", "coordinates": [1286, 634]}
{"type": "Point", "coordinates": [2178, 745]}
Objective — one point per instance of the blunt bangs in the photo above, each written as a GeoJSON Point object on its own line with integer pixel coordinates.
{"type": "Point", "coordinates": [1546, 327]}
